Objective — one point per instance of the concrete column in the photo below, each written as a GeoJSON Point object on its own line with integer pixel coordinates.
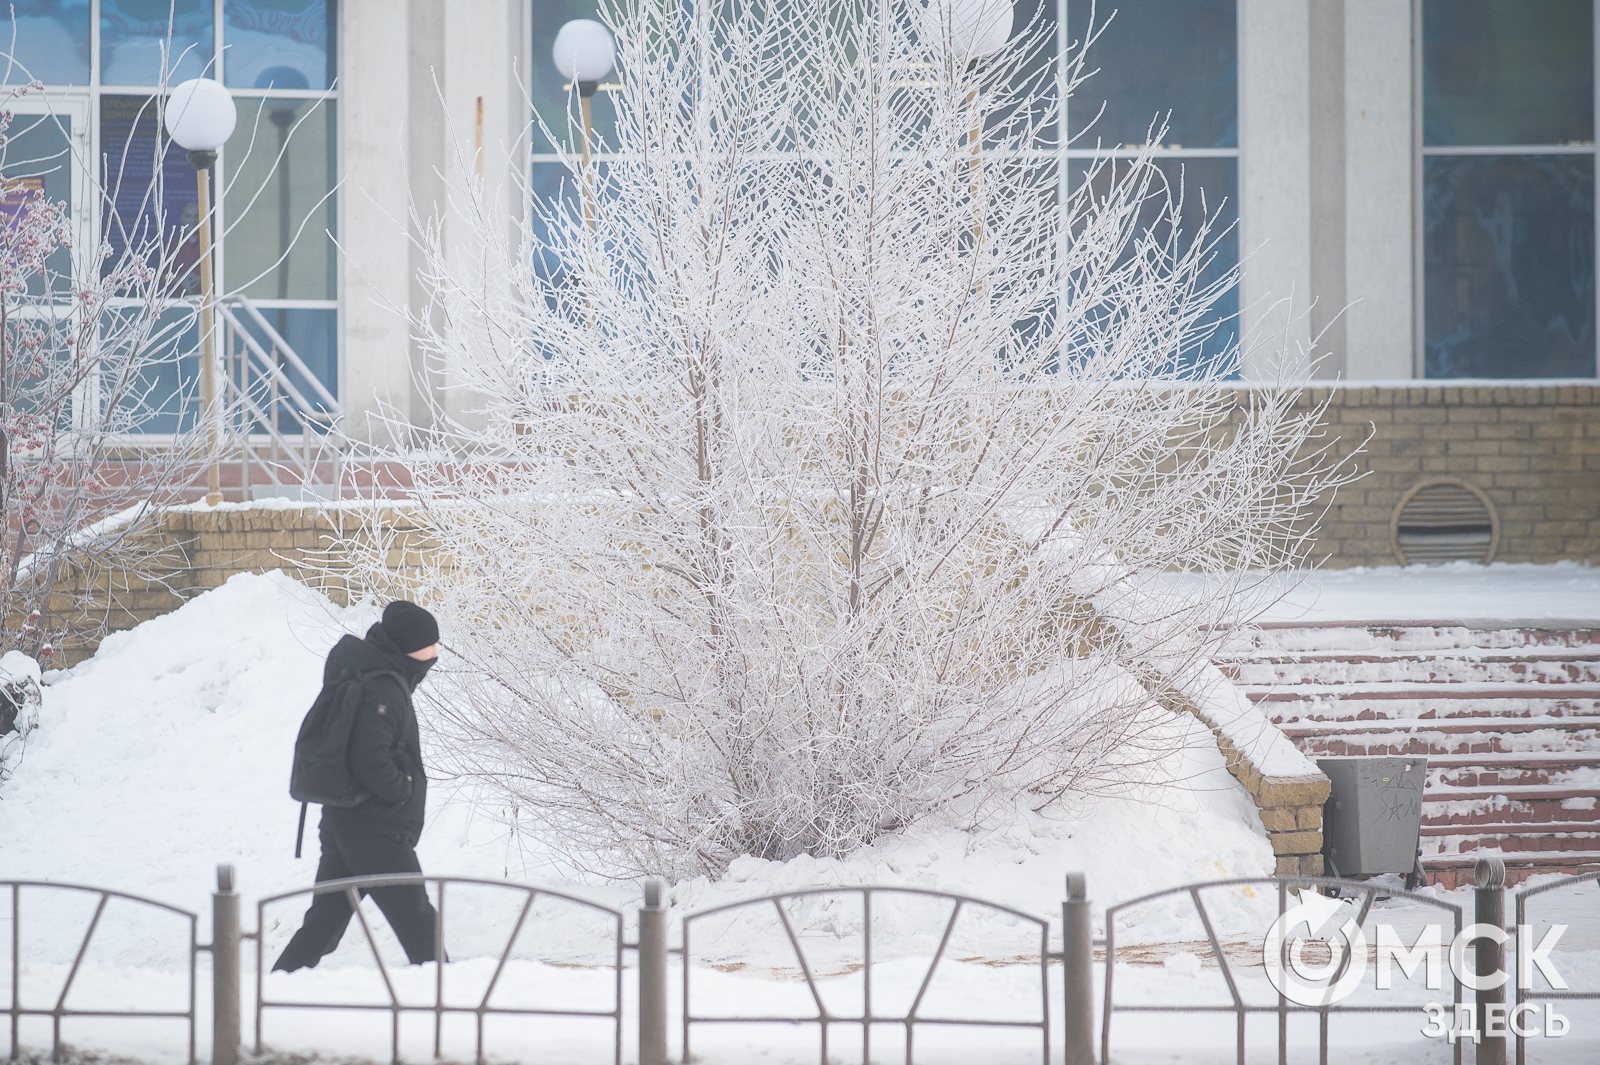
{"type": "Point", "coordinates": [1327, 188]}
{"type": "Point", "coordinates": [426, 164]}
{"type": "Point", "coordinates": [1378, 210]}
{"type": "Point", "coordinates": [375, 93]}
{"type": "Point", "coordinates": [1274, 178]}
{"type": "Point", "coordinates": [433, 99]}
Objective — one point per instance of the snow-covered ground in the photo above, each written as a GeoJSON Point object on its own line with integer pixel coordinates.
{"type": "Point", "coordinates": [168, 753]}
{"type": "Point", "coordinates": [1457, 591]}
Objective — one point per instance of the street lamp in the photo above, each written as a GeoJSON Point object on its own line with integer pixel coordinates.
{"type": "Point", "coordinates": [200, 118]}
{"type": "Point", "coordinates": [584, 53]}
{"type": "Point", "coordinates": [972, 31]}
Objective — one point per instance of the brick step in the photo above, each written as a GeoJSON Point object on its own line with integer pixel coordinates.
{"type": "Point", "coordinates": [1415, 747]}
{"type": "Point", "coordinates": [1514, 776]}
{"type": "Point", "coordinates": [1509, 817]}
{"type": "Point", "coordinates": [1586, 832]}
{"type": "Point", "coordinates": [1277, 637]}
{"type": "Point", "coordinates": [1443, 726]}
{"type": "Point", "coordinates": [1535, 793]}
{"type": "Point", "coordinates": [1543, 848]}
{"type": "Point", "coordinates": [1455, 869]}
{"type": "Point", "coordinates": [1421, 747]}
{"type": "Point", "coordinates": [1463, 655]}
{"type": "Point", "coordinates": [1271, 676]}
{"type": "Point", "coordinates": [1403, 690]}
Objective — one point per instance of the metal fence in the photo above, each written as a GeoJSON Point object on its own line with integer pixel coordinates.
{"type": "Point", "coordinates": [653, 950]}
{"type": "Point", "coordinates": [61, 1011]}
{"type": "Point", "coordinates": [1238, 1007]}
{"type": "Point", "coordinates": [354, 888]}
{"type": "Point", "coordinates": [912, 1017]}
{"type": "Point", "coordinates": [1552, 994]}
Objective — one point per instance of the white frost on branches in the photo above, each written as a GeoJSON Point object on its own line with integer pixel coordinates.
{"type": "Point", "coordinates": [819, 473]}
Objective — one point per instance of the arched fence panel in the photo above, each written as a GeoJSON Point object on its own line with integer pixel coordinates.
{"type": "Point", "coordinates": [821, 1006]}
{"type": "Point", "coordinates": [60, 1011]}
{"type": "Point", "coordinates": [1519, 1021]}
{"type": "Point", "coordinates": [481, 1004]}
{"type": "Point", "coordinates": [1337, 970]}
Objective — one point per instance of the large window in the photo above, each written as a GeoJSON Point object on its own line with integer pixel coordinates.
{"type": "Point", "coordinates": [1191, 87]}
{"type": "Point", "coordinates": [1172, 64]}
{"type": "Point", "coordinates": [274, 178]}
{"type": "Point", "coordinates": [1508, 188]}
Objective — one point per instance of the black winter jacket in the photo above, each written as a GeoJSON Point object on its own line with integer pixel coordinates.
{"type": "Point", "coordinates": [385, 752]}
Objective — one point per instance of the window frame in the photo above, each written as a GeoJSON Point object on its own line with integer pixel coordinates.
{"type": "Point", "coordinates": [86, 100]}
{"type": "Point", "coordinates": [1421, 151]}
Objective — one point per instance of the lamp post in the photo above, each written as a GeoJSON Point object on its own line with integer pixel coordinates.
{"type": "Point", "coordinates": [584, 53]}
{"type": "Point", "coordinates": [200, 118]}
{"type": "Point", "coordinates": [973, 30]}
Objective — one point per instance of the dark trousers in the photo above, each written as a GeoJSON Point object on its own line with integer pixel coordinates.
{"type": "Point", "coordinates": [353, 853]}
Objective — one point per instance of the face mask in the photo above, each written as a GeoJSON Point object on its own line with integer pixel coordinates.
{"type": "Point", "coordinates": [421, 668]}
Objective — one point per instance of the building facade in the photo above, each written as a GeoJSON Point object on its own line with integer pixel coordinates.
{"type": "Point", "coordinates": [1412, 182]}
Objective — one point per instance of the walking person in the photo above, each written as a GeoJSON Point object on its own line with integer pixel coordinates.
{"type": "Point", "coordinates": [379, 833]}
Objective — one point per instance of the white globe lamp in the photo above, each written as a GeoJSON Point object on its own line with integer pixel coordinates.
{"type": "Point", "coordinates": [584, 53]}
{"type": "Point", "coordinates": [200, 119]}
{"type": "Point", "coordinates": [972, 29]}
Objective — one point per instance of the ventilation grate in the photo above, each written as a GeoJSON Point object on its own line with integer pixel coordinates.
{"type": "Point", "coordinates": [1444, 522]}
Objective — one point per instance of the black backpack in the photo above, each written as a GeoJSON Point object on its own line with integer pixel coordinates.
{"type": "Point", "coordinates": [321, 772]}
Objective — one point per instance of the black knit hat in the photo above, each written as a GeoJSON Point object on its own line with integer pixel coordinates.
{"type": "Point", "coordinates": [409, 626]}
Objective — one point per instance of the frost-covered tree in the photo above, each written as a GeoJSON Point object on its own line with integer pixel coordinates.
{"type": "Point", "coordinates": [91, 334]}
{"type": "Point", "coordinates": [818, 471]}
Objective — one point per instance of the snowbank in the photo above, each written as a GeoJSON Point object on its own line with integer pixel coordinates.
{"type": "Point", "coordinates": [168, 752]}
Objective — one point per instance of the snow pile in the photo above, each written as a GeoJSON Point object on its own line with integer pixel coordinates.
{"type": "Point", "coordinates": [169, 752]}
{"type": "Point", "coordinates": [1232, 713]}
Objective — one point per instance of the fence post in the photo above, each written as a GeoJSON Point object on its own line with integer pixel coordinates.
{"type": "Point", "coordinates": [653, 976]}
{"type": "Point", "coordinates": [1490, 957]}
{"type": "Point", "coordinates": [1077, 973]}
{"type": "Point", "coordinates": [225, 970]}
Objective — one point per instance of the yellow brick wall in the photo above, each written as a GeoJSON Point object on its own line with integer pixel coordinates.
{"type": "Point", "coordinates": [195, 550]}
{"type": "Point", "coordinates": [1533, 450]}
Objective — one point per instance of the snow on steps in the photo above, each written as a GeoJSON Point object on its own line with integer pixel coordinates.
{"type": "Point", "coordinates": [1508, 717]}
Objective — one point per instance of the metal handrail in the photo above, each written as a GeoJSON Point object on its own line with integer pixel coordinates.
{"type": "Point", "coordinates": [271, 368]}
{"type": "Point", "coordinates": [1239, 1007]}
{"type": "Point", "coordinates": [356, 886]}
{"type": "Point", "coordinates": [1550, 994]}
{"type": "Point", "coordinates": [867, 1018]}
{"type": "Point", "coordinates": [283, 348]}
{"type": "Point", "coordinates": [59, 1011]}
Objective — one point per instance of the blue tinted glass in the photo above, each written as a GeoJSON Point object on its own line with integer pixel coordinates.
{"type": "Point", "coordinates": [1508, 72]}
{"type": "Point", "coordinates": [1509, 246]}
{"type": "Point", "coordinates": [279, 44]}
{"type": "Point", "coordinates": [52, 42]}
{"type": "Point", "coordinates": [556, 105]}
{"type": "Point", "coordinates": [37, 168]}
{"type": "Point", "coordinates": [552, 184]}
{"type": "Point", "coordinates": [1157, 56]}
{"type": "Point", "coordinates": [142, 39]}
{"type": "Point", "coordinates": [1209, 188]}
{"type": "Point", "coordinates": [312, 334]}
{"type": "Point", "coordinates": [151, 190]}
{"type": "Point", "coordinates": [164, 396]}
{"type": "Point", "coordinates": [281, 161]}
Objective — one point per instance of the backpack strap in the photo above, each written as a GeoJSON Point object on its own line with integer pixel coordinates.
{"type": "Point", "coordinates": [301, 831]}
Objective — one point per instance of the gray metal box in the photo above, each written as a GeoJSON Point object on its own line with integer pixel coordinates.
{"type": "Point", "coordinates": [1373, 817]}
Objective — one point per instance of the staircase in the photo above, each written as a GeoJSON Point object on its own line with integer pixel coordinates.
{"type": "Point", "coordinates": [1508, 718]}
